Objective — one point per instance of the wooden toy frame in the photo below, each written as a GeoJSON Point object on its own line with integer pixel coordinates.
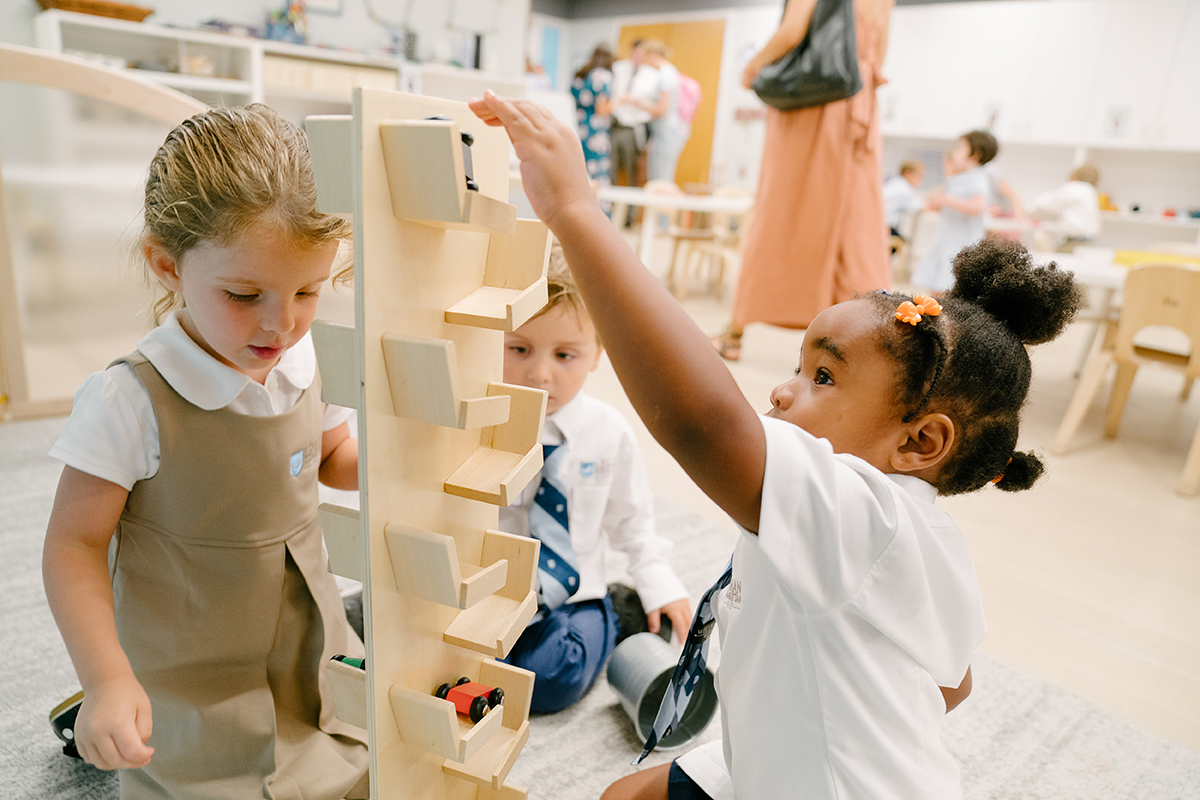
{"type": "Point", "coordinates": [442, 441]}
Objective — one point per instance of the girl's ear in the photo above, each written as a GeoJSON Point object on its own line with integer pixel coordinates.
{"type": "Point", "coordinates": [930, 440]}
{"type": "Point", "coordinates": [596, 360]}
{"type": "Point", "coordinates": [163, 265]}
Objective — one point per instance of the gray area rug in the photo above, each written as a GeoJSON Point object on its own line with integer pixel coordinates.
{"type": "Point", "coordinates": [1016, 737]}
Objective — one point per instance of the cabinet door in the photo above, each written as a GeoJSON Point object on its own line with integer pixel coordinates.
{"type": "Point", "coordinates": [954, 67]}
{"type": "Point", "coordinates": [1131, 73]}
{"type": "Point", "coordinates": [1069, 41]}
{"type": "Point", "coordinates": [925, 70]}
{"type": "Point", "coordinates": [1180, 117]}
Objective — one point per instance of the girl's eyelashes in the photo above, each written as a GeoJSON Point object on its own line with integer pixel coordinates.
{"type": "Point", "coordinates": [564, 356]}
{"type": "Point", "coordinates": [241, 298]}
{"type": "Point", "coordinates": [519, 349]}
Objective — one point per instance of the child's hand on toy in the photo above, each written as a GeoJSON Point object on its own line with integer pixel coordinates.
{"type": "Point", "coordinates": [552, 168]}
{"type": "Point", "coordinates": [680, 614]}
{"type": "Point", "coordinates": [114, 725]}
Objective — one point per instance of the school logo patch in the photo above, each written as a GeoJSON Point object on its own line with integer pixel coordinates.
{"type": "Point", "coordinates": [587, 469]}
{"type": "Point", "coordinates": [297, 462]}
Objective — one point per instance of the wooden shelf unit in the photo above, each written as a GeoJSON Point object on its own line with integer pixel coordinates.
{"type": "Point", "coordinates": [444, 593]}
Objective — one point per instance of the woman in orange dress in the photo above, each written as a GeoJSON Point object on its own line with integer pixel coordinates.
{"type": "Point", "coordinates": [818, 235]}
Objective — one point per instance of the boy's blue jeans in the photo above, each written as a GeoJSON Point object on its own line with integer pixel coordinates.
{"type": "Point", "coordinates": [566, 650]}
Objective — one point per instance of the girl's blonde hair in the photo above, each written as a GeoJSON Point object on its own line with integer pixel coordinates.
{"type": "Point", "coordinates": [224, 171]}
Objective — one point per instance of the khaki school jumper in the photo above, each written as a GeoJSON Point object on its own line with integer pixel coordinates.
{"type": "Point", "coordinates": [226, 610]}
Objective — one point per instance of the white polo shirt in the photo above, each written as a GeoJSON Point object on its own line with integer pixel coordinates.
{"type": "Point", "coordinates": [112, 432]}
{"type": "Point", "coordinates": [608, 499]}
{"type": "Point", "coordinates": [854, 603]}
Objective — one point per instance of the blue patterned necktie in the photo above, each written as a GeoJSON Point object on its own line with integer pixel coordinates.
{"type": "Point", "coordinates": [690, 669]}
{"type": "Point", "coordinates": [558, 570]}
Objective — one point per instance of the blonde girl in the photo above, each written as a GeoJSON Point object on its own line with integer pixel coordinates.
{"type": "Point", "coordinates": [183, 561]}
{"type": "Point", "coordinates": [852, 608]}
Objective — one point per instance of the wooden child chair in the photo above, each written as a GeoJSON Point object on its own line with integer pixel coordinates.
{"type": "Point", "coordinates": [710, 256]}
{"type": "Point", "coordinates": [1155, 294]}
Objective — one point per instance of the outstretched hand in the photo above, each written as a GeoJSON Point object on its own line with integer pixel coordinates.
{"type": "Point", "coordinates": [552, 167]}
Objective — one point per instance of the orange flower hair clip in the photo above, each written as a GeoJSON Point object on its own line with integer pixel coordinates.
{"type": "Point", "coordinates": [921, 305]}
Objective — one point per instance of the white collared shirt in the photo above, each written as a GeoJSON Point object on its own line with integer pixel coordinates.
{"type": "Point", "coordinates": [112, 432]}
{"type": "Point", "coordinates": [608, 500]}
{"type": "Point", "coordinates": [1075, 205]}
{"type": "Point", "coordinates": [853, 604]}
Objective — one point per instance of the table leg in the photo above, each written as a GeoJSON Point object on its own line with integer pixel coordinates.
{"type": "Point", "coordinates": [646, 236]}
{"type": "Point", "coordinates": [1106, 306]}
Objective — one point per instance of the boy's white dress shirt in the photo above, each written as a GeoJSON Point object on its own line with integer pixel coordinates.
{"type": "Point", "coordinates": [900, 200]}
{"type": "Point", "coordinates": [853, 604]}
{"type": "Point", "coordinates": [112, 432]}
{"type": "Point", "coordinates": [1076, 207]}
{"type": "Point", "coordinates": [608, 498]}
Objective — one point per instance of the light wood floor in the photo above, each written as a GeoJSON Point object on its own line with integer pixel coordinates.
{"type": "Point", "coordinates": [1091, 580]}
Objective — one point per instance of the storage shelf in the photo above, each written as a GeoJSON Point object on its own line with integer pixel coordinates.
{"type": "Point", "coordinates": [343, 540]}
{"type": "Point", "coordinates": [336, 347]}
{"type": "Point", "coordinates": [423, 378]}
{"type": "Point", "coordinates": [495, 759]}
{"type": "Point", "coordinates": [427, 179]}
{"type": "Point", "coordinates": [493, 625]}
{"type": "Point", "coordinates": [509, 455]}
{"type": "Point", "coordinates": [435, 726]}
{"type": "Point", "coordinates": [426, 565]}
{"type": "Point", "coordinates": [349, 688]}
{"type": "Point", "coordinates": [514, 280]}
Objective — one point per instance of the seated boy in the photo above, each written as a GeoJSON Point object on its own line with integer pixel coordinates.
{"type": "Point", "coordinates": [593, 489]}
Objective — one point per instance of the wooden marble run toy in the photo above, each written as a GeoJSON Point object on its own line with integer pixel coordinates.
{"type": "Point", "coordinates": [441, 270]}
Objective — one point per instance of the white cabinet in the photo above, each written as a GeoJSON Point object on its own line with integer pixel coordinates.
{"type": "Point", "coordinates": [1130, 76]}
{"type": "Point", "coordinates": [221, 69]}
{"type": "Point", "coordinates": [1068, 45]}
{"type": "Point", "coordinates": [1090, 73]}
{"type": "Point", "coordinates": [1180, 113]}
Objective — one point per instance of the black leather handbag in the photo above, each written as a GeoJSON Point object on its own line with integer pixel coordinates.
{"type": "Point", "coordinates": [821, 69]}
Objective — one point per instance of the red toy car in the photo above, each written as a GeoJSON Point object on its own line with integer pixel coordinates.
{"type": "Point", "coordinates": [470, 698]}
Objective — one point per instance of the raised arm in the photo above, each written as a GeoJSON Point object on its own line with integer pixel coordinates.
{"type": "Point", "coordinates": [675, 380]}
{"type": "Point", "coordinates": [792, 28]}
{"type": "Point", "coordinates": [114, 721]}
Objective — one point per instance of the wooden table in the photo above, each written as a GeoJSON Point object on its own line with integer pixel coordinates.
{"type": "Point", "coordinates": [1094, 268]}
{"type": "Point", "coordinates": [657, 205]}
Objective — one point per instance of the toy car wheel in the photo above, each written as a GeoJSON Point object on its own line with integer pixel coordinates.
{"type": "Point", "coordinates": [479, 707]}
{"type": "Point", "coordinates": [496, 697]}
{"type": "Point", "coordinates": [442, 691]}
{"type": "Point", "coordinates": [462, 680]}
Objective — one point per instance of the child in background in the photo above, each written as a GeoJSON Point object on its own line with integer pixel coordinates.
{"type": "Point", "coordinates": [1075, 206]}
{"type": "Point", "coordinates": [593, 490]}
{"type": "Point", "coordinates": [202, 651]}
{"type": "Point", "coordinates": [852, 608]}
{"type": "Point", "coordinates": [900, 197]}
{"type": "Point", "coordinates": [962, 204]}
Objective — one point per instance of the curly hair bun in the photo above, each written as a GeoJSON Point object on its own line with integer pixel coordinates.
{"type": "Point", "coordinates": [1021, 473]}
{"type": "Point", "coordinates": [1035, 302]}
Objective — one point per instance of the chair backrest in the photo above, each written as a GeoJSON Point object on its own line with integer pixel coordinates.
{"type": "Point", "coordinates": [1161, 294]}
{"type": "Point", "coordinates": [726, 223]}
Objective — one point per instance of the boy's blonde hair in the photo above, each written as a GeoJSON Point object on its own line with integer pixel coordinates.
{"type": "Point", "coordinates": [658, 47]}
{"type": "Point", "coordinates": [910, 166]}
{"type": "Point", "coordinates": [561, 288]}
{"type": "Point", "coordinates": [1087, 173]}
{"type": "Point", "coordinates": [224, 171]}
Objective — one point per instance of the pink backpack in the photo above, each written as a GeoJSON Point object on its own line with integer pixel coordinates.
{"type": "Point", "coordinates": [690, 95]}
